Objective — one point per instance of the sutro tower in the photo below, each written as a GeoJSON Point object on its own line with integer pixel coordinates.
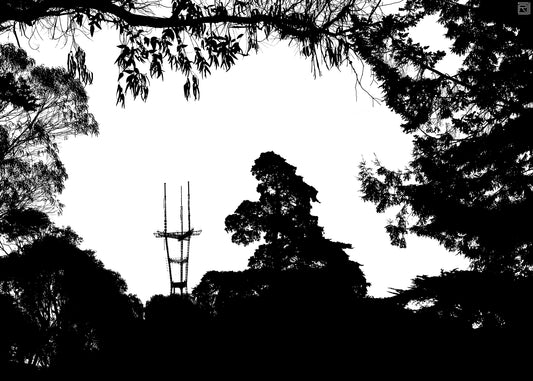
{"type": "Point", "coordinates": [181, 236]}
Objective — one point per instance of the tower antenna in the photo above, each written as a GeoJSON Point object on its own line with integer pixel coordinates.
{"type": "Point", "coordinates": [181, 236]}
{"type": "Point", "coordinates": [182, 280]}
{"type": "Point", "coordinates": [165, 243]}
{"type": "Point", "coordinates": [188, 228]}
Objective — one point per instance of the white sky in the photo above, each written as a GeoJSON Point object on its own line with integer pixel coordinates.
{"type": "Point", "coordinates": [267, 102]}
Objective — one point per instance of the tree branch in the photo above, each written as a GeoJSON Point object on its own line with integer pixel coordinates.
{"type": "Point", "coordinates": [45, 9]}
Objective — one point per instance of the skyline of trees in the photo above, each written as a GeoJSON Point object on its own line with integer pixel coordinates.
{"type": "Point", "coordinates": [469, 186]}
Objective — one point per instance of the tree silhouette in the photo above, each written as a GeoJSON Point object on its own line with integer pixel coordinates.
{"type": "Point", "coordinates": [38, 106]}
{"type": "Point", "coordinates": [300, 293]}
{"type": "Point", "coordinates": [21, 226]}
{"type": "Point", "coordinates": [469, 185]}
{"type": "Point", "coordinates": [194, 38]}
{"type": "Point", "coordinates": [294, 262]}
{"type": "Point", "coordinates": [79, 309]}
{"type": "Point", "coordinates": [220, 291]}
{"type": "Point", "coordinates": [282, 218]}
{"type": "Point", "coordinates": [487, 301]}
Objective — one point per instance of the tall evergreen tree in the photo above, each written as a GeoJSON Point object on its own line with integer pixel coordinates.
{"type": "Point", "coordinates": [469, 184]}
{"type": "Point", "coordinates": [294, 257]}
{"type": "Point", "coordinates": [282, 219]}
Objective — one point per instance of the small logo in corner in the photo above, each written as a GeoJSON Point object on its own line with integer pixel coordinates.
{"type": "Point", "coordinates": [524, 8]}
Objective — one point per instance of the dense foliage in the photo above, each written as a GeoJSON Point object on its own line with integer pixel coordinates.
{"type": "Point", "coordinates": [74, 309]}
{"type": "Point", "coordinates": [469, 184]}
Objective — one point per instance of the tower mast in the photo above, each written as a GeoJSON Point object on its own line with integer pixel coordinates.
{"type": "Point", "coordinates": [189, 229]}
{"type": "Point", "coordinates": [181, 236]}
{"type": "Point", "coordinates": [169, 267]}
{"type": "Point", "coordinates": [182, 280]}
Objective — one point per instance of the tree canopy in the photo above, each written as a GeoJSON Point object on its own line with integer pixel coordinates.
{"type": "Point", "coordinates": [73, 307]}
{"type": "Point", "coordinates": [474, 299]}
{"type": "Point", "coordinates": [469, 184]}
{"type": "Point", "coordinates": [194, 37]}
{"type": "Point", "coordinates": [282, 218]}
{"type": "Point", "coordinates": [38, 106]}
